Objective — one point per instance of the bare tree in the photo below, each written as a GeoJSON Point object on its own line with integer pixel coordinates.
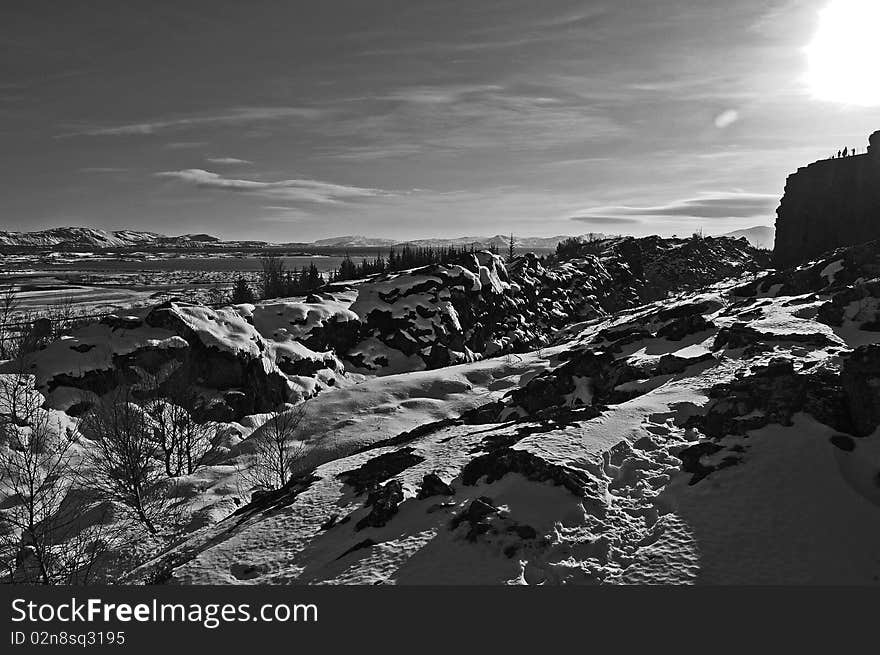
{"type": "Point", "coordinates": [277, 450]}
{"type": "Point", "coordinates": [123, 466]}
{"type": "Point", "coordinates": [86, 553]}
{"type": "Point", "coordinates": [8, 306]}
{"type": "Point", "coordinates": [43, 539]}
{"type": "Point", "coordinates": [28, 333]}
{"type": "Point", "coordinates": [185, 444]}
{"type": "Point", "coordinates": [64, 317]}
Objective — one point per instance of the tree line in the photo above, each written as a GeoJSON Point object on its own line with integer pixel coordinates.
{"type": "Point", "coordinates": [276, 281]}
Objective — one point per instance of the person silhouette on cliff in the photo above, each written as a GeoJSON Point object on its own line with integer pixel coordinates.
{"type": "Point", "coordinates": [846, 152]}
{"type": "Point", "coordinates": [838, 153]}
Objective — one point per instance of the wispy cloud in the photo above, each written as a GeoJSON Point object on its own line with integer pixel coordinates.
{"type": "Point", "coordinates": [439, 95]}
{"type": "Point", "coordinates": [103, 169]}
{"type": "Point", "coordinates": [706, 206]}
{"type": "Point", "coordinates": [284, 214]}
{"type": "Point", "coordinates": [444, 119]}
{"type": "Point", "coordinates": [184, 145]}
{"type": "Point", "coordinates": [606, 220]}
{"type": "Point", "coordinates": [372, 153]}
{"type": "Point", "coordinates": [233, 116]}
{"type": "Point", "coordinates": [506, 33]}
{"type": "Point", "coordinates": [230, 161]}
{"type": "Point", "coordinates": [297, 190]}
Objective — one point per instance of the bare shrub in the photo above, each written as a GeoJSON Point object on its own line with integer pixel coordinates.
{"type": "Point", "coordinates": [277, 450]}
{"type": "Point", "coordinates": [124, 463]}
{"type": "Point", "coordinates": [64, 317]}
{"type": "Point", "coordinates": [185, 444]}
{"type": "Point", "coordinates": [43, 537]}
{"type": "Point", "coordinates": [8, 307]}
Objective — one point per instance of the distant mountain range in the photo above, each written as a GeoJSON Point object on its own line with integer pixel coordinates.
{"type": "Point", "coordinates": [760, 236]}
{"type": "Point", "coordinates": [499, 241]}
{"type": "Point", "coordinates": [78, 237]}
{"type": "Point", "coordinates": [86, 237]}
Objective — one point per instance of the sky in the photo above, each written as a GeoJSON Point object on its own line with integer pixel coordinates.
{"type": "Point", "coordinates": [295, 121]}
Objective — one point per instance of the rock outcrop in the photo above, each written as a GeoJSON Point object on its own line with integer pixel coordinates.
{"type": "Point", "coordinates": [828, 204]}
{"type": "Point", "coordinates": [248, 358]}
{"type": "Point", "coordinates": [646, 442]}
{"type": "Point", "coordinates": [218, 355]}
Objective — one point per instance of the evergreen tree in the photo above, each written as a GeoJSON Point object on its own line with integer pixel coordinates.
{"type": "Point", "coordinates": [242, 292]}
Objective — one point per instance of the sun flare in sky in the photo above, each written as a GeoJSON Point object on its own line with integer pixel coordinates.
{"type": "Point", "coordinates": [844, 53]}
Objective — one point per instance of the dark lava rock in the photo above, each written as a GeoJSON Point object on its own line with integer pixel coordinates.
{"type": "Point", "coordinates": [830, 313]}
{"type": "Point", "coordinates": [679, 328]}
{"type": "Point", "coordinates": [433, 485]}
{"type": "Point", "coordinates": [122, 322]}
{"type": "Point", "coordinates": [263, 500]}
{"type": "Point", "coordinates": [384, 502]}
{"type": "Point", "coordinates": [476, 516]}
{"type": "Point", "coordinates": [773, 394]}
{"type": "Point", "coordinates": [375, 471]}
{"type": "Point", "coordinates": [670, 363]}
{"type": "Point", "coordinates": [333, 334]}
{"type": "Point", "coordinates": [742, 335]}
{"type": "Point", "coordinates": [549, 389]}
{"type": "Point", "coordinates": [689, 310]}
{"type": "Point", "coordinates": [613, 339]}
{"type": "Point", "coordinates": [79, 408]}
{"type": "Point", "coordinates": [416, 433]}
{"type": "Point", "coordinates": [479, 509]}
{"type": "Point", "coordinates": [237, 401]}
{"type": "Point", "coordinates": [260, 494]}
{"type": "Point", "coordinates": [535, 298]}
{"type": "Point", "coordinates": [691, 456]}
{"type": "Point", "coordinates": [646, 443]}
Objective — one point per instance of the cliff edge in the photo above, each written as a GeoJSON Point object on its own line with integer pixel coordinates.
{"type": "Point", "coordinates": [829, 204]}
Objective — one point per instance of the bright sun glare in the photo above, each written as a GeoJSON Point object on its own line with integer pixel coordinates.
{"type": "Point", "coordinates": [844, 55]}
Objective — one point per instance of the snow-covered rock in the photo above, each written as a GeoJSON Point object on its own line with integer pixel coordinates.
{"type": "Point", "coordinates": [727, 435]}
{"type": "Point", "coordinates": [238, 370]}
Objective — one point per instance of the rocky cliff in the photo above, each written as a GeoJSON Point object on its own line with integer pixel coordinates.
{"type": "Point", "coordinates": [829, 204]}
